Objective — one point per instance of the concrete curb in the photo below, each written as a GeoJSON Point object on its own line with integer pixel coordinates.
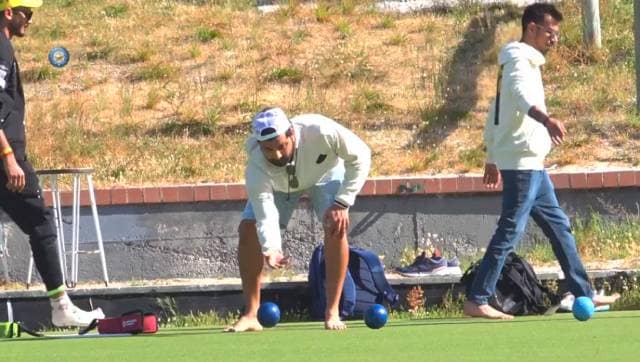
{"type": "Point", "coordinates": [394, 279]}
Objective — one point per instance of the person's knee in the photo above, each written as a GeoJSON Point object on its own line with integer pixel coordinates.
{"type": "Point", "coordinates": [507, 224]}
{"type": "Point", "coordinates": [500, 249]}
{"type": "Point", "coordinates": [43, 233]}
{"type": "Point", "coordinates": [563, 220]}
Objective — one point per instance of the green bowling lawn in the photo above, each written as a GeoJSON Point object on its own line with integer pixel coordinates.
{"type": "Point", "coordinates": [610, 336]}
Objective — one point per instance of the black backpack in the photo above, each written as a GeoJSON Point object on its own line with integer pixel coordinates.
{"type": "Point", "coordinates": [519, 291]}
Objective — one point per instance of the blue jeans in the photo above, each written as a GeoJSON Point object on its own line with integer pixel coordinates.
{"type": "Point", "coordinates": [528, 192]}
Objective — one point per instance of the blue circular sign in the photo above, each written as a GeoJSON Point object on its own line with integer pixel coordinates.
{"type": "Point", "coordinates": [59, 57]}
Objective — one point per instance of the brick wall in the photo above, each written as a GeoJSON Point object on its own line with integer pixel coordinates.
{"type": "Point", "coordinates": [382, 186]}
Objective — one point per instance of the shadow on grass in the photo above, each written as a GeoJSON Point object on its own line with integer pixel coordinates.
{"type": "Point", "coordinates": [460, 88]}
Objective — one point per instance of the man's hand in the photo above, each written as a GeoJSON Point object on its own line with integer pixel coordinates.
{"type": "Point", "coordinates": [556, 130]}
{"type": "Point", "coordinates": [15, 175]}
{"type": "Point", "coordinates": [491, 176]}
{"type": "Point", "coordinates": [553, 125]}
{"type": "Point", "coordinates": [336, 221]}
{"type": "Point", "coordinates": [275, 259]}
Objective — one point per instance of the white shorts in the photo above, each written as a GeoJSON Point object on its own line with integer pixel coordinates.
{"type": "Point", "coordinates": [321, 194]}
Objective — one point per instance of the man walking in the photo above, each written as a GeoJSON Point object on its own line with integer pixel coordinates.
{"type": "Point", "coordinates": [20, 194]}
{"type": "Point", "coordinates": [518, 136]}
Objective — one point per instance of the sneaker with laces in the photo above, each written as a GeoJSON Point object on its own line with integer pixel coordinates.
{"type": "Point", "coordinates": [453, 264]}
{"type": "Point", "coordinates": [424, 265]}
{"type": "Point", "coordinates": [65, 314]}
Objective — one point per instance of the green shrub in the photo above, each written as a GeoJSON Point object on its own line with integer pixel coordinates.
{"type": "Point", "coordinates": [286, 75]}
{"type": "Point", "coordinates": [205, 35]}
{"type": "Point", "coordinates": [115, 11]}
{"type": "Point", "coordinates": [154, 72]}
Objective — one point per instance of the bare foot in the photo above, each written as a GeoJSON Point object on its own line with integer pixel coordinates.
{"type": "Point", "coordinates": [245, 324]}
{"type": "Point", "coordinates": [334, 324]}
{"type": "Point", "coordinates": [605, 299]}
{"type": "Point", "coordinates": [484, 311]}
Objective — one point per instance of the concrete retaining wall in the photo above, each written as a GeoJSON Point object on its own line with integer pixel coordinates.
{"type": "Point", "coordinates": [197, 239]}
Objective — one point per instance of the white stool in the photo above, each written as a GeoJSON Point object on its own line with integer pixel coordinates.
{"type": "Point", "coordinates": [52, 175]}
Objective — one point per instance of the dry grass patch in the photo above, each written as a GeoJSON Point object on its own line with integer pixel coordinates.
{"type": "Point", "coordinates": [162, 91]}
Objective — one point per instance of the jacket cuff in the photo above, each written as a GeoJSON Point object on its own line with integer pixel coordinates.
{"type": "Point", "coordinates": [342, 201]}
{"type": "Point", "coordinates": [340, 204]}
{"type": "Point", "coordinates": [490, 158]}
{"type": "Point", "coordinates": [266, 251]}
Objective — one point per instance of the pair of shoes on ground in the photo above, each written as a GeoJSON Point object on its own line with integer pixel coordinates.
{"type": "Point", "coordinates": [65, 314]}
{"type": "Point", "coordinates": [566, 304]}
{"type": "Point", "coordinates": [436, 264]}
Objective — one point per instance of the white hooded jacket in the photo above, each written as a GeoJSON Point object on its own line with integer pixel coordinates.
{"type": "Point", "coordinates": [321, 145]}
{"type": "Point", "coordinates": [518, 142]}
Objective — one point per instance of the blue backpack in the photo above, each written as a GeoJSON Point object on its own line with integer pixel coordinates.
{"type": "Point", "coordinates": [364, 285]}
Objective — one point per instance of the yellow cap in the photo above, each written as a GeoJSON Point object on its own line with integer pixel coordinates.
{"type": "Point", "coordinates": [6, 4]}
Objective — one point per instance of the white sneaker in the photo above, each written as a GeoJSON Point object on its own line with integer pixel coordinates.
{"type": "Point", "coordinates": [65, 314]}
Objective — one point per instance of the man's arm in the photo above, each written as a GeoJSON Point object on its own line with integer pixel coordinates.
{"type": "Point", "coordinates": [267, 216]}
{"type": "Point", "coordinates": [6, 102]}
{"type": "Point", "coordinates": [519, 74]}
{"type": "Point", "coordinates": [488, 134]}
{"type": "Point", "coordinates": [357, 162]}
{"type": "Point", "coordinates": [554, 126]}
{"type": "Point", "coordinates": [15, 175]}
{"type": "Point", "coordinates": [491, 174]}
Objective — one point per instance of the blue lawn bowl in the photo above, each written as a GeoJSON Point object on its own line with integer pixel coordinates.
{"type": "Point", "coordinates": [583, 308]}
{"type": "Point", "coordinates": [268, 314]}
{"type": "Point", "coordinates": [376, 316]}
{"type": "Point", "coordinates": [59, 57]}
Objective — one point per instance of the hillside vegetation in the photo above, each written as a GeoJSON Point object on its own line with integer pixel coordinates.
{"type": "Point", "coordinates": [161, 91]}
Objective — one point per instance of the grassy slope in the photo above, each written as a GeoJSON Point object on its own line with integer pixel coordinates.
{"type": "Point", "coordinates": [161, 91]}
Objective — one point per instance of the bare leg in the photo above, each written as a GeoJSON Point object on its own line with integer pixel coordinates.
{"type": "Point", "coordinates": [251, 261]}
{"type": "Point", "coordinates": [484, 311]}
{"type": "Point", "coordinates": [336, 261]}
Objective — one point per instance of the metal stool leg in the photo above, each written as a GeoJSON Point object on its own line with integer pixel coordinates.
{"type": "Point", "coordinates": [30, 271]}
{"type": "Point", "coordinates": [96, 223]}
{"type": "Point", "coordinates": [9, 311]}
{"type": "Point", "coordinates": [57, 215]}
{"type": "Point", "coordinates": [71, 276]}
{"type": "Point", "coordinates": [75, 224]}
{"type": "Point", "coordinates": [4, 252]}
